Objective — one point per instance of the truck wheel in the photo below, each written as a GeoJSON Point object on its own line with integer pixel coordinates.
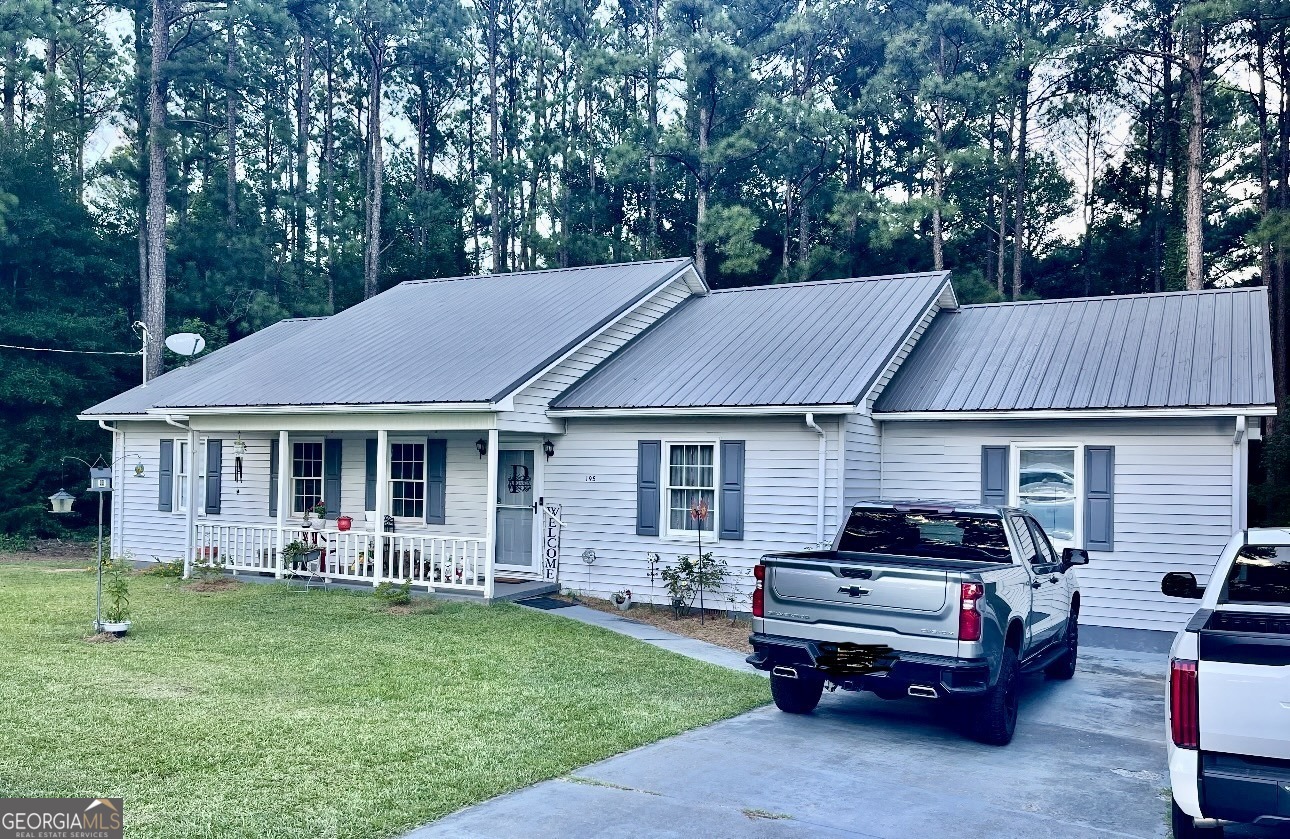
{"type": "Point", "coordinates": [995, 717]}
{"type": "Point", "coordinates": [1184, 828]}
{"type": "Point", "coordinates": [796, 696]}
{"type": "Point", "coordinates": [1064, 667]}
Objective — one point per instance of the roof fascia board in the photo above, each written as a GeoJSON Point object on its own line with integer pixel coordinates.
{"type": "Point", "coordinates": [309, 410]}
{"type": "Point", "coordinates": [1078, 414]}
{"type": "Point", "coordinates": [115, 417]}
{"type": "Point", "coordinates": [324, 423]}
{"type": "Point", "coordinates": [891, 357]}
{"type": "Point", "coordinates": [706, 411]}
{"type": "Point", "coordinates": [552, 361]}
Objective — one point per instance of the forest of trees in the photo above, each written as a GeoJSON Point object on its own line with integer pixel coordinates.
{"type": "Point", "coordinates": [220, 164]}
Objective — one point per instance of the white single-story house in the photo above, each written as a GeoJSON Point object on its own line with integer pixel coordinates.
{"type": "Point", "coordinates": [485, 430]}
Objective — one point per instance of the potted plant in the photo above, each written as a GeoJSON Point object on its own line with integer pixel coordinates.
{"type": "Point", "coordinates": [320, 512]}
{"type": "Point", "coordinates": [296, 555]}
{"type": "Point", "coordinates": [622, 599]}
{"type": "Point", "coordinates": [116, 618]}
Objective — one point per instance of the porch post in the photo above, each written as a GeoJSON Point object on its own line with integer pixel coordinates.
{"type": "Point", "coordinates": [284, 498]}
{"type": "Point", "coordinates": [490, 527]}
{"type": "Point", "coordinates": [382, 508]}
{"type": "Point", "coordinates": [190, 514]}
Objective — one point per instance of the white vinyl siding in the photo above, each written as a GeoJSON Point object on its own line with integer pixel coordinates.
{"type": "Point", "coordinates": [593, 478]}
{"type": "Point", "coordinates": [532, 402]}
{"type": "Point", "coordinates": [1173, 498]}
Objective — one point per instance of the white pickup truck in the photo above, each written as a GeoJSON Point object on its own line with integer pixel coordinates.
{"type": "Point", "coordinates": [1229, 691]}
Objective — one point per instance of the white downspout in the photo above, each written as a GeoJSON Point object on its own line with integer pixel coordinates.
{"type": "Point", "coordinates": [490, 525]}
{"type": "Point", "coordinates": [116, 544]}
{"type": "Point", "coordinates": [284, 499]}
{"type": "Point", "coordinates": [819, 498]}
{"type": "Point", "coordinates": [1238, 475]}
{"type": "Point", "coordinates": [189, 521]}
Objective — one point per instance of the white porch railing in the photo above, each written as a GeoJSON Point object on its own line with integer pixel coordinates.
{"type": "Point", "coordinates": [434, 562]}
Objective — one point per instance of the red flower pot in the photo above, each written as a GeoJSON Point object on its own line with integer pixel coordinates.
{"type": "Point", "coordinates": [344, 523]}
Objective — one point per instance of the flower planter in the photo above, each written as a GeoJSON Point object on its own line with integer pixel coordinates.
{"type": "Point", "coordinates": [117, 628]}
{"type": "Point", "coordinates": [622, 599]}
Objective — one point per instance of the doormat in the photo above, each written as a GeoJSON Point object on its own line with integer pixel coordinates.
{"type": "Point", "coordinates": [514, 580]}
{"type": "Point", "coordinates": [546, 603]}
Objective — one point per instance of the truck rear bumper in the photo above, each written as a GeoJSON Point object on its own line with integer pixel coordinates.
{"type": "Point", "coordinates": [946, 676]}
{"type": "Point", "coordinates": [1245, 789]}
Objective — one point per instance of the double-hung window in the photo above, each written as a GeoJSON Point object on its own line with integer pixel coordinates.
{"type": "Point", "coordinates": [1048, 484]}
{"type": "Point", "coordinates": [181, 476]}
{"type": "Point", "coordinates": [691, 477]}
{"type": "Point", "coordinates": [306, 475]}
{"type": "Point", "coordinates": [408, 480]}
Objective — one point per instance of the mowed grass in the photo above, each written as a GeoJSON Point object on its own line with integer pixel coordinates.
{"type": "Point", "coordinates": [263, 712]}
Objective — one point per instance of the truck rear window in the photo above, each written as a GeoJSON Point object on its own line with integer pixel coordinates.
{"type": "Point", "coordinates": [973, 536]}
{"type": "Point", "coordinates": [1259, 575]}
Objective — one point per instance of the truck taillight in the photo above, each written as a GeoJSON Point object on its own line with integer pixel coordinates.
{"type": "Point", "coordinates": [1184, 704]}
{"type": "Point", "coordinates": [759, 594]}
{"type": "Point", "coordinates": [969, 614]}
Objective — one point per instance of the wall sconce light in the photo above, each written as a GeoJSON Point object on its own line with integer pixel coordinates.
{"type": "Point", "coordinates": [481, 446]}
{"type": "Point", "coordinates": [548, 448]}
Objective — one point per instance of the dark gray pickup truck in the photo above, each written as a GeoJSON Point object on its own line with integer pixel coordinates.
{"type": "Point", "coordinates": [927, 599]}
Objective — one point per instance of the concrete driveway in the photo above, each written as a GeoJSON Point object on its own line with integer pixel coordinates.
{"type": "Point", "coordinates": [1088, 760]}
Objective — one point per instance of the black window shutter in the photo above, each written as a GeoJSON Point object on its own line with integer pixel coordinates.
{"type": "Point", "coordinates": [331, 476]}
{"type": "Point", "coordinates": [436, 481]}
{"type": "Point", "coordinates": [649, 500]}
{"type": "Point", "coordinates": [994, 475]}
{"type": "Point", "coordinates": [730, 508]}
{"type": "Point", "coordinates": [1099, 498]}
{"type": "Point", "coordinates": [214, 476]}
{"type": "Point", "coordinates": [166, 477]}
{"type": "Point", "coordinates": [369, 477]}
{"type": "Point", "coordinates": [273, 477]}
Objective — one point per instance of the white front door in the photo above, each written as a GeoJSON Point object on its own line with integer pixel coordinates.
{"type": "Point", "coordinates": [516, 511]}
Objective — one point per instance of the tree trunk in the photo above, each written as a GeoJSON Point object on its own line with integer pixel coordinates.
{"type": "Point", "coordinates": [938, 174]}
{"type": "Point", "coordinates": [1195, 58]}
{"type": "Point", "coordinates": [154, 307]}
{"type": "Point", "coordinates": [9, 91]}
{"type": "Point", "coordinates": [651, 234]}
{"type": "Point", "coordinates": [230, 126]}
{"type": "Point", "coordinates": [303, 105]}
{"type": "Point", "coordinates": [494, 147]}
{"type": "Point", "coordinates": [701, 196]}
{"type": "Point", "coordinates": [375, 175]}
{"type": "Point", "coordinates": [1019, 210]}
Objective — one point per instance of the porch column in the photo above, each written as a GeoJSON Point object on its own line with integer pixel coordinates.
{"type": "Point", "coordinates": [284, 497]}
{"type": "Point", "coordinates": [382, 504]}
{"type": "Point", "coordinates": [190, 520]}
{"type": "Point", "coordinates": [490, 526]}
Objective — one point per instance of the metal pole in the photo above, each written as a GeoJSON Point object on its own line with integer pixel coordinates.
{"type": "Point", "coordinates": [98, 604]}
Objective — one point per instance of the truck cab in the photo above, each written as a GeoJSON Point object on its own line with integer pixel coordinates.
{"type": "Point", "coordinates": [1228, 709]}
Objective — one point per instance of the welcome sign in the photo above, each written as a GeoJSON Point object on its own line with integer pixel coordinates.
{"type": "Point", "coordinates": [551, 543]}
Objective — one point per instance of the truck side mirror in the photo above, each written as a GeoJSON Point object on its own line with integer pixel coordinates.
{"type": "Point", "coordinates": [1181, 584]}
{"type": "Point", "coordinates": [1074, 556]}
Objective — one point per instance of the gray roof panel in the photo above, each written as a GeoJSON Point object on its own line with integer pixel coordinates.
{"type": "Point", "coordinates": [817, 343]}
{"type": "Point", "coordinates": [1189, 349]}
{"type": "Point", "coordinates": [462, 340]}
{"type": "Point", "coordinates": [140, 399]}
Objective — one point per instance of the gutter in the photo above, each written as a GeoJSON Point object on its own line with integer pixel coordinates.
{"type": "Point", "coordinates": [819, 497]}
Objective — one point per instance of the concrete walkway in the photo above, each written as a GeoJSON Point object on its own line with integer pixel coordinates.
{"type": "Point", "coordinates": [1088, 761]}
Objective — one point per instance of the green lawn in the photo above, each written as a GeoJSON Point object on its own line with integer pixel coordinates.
{"type": "Point", "coordinates": [263, 712]}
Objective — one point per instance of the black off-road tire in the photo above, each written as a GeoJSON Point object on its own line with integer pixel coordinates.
{"type": "Point", "coordinates": [994, 715]}
{"type": "Point", "coordinates": [796, 696]}
{"type": "Point", "coordinates": [1064, 667]}
{"type": "Point", "coordinates": [1184, 828]}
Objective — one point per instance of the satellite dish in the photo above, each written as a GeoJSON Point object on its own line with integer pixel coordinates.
{"type": "Point", "coordinates": [185, 343]}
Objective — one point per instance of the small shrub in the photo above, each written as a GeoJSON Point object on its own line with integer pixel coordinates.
{"type": "Point", "coordinates": [173, 569]}
{"type": "Point", "coordinates": [15, 543]}
{"type": "Point", "coordinates": [394, 595]}
{"type": "Point", "coordinates": [208, 568]}
{"type": "Point", "coordinates": [117, 589]}
{"type": "Point", "coordinates": [684, 580]}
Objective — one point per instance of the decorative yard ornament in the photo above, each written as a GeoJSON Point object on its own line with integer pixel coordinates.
{"type": "Point", "coordinates": [239, 452]}
{"type": "Point", "coordinates": [589, 557]}
{"type": "Point", "coordinates": [61, 502]}
{"type": "Point", "coordinates": [520, 480]}
{"type": "Point", "coordinates": [138, 467]}
{"type": "Point", "coordinates": [100, 479]}
{"type": "Point", "coordinates": [699, 512]}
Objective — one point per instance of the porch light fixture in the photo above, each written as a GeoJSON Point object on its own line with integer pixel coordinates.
{"type": "Point", "coordinates": [61, 502]}
{"type": "Point", "coordinates": [548, 448]}
{"type": "Point", "coordinates": [481, 446]}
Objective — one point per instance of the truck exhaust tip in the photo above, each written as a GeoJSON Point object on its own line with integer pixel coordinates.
{"type": "Point", "coordinates": [784, 672]}
{"type": "Point", "coordinates": [923, 692]}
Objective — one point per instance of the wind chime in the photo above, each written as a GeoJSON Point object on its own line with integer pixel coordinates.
{"type": "Point", "coordinates": [239, 452]}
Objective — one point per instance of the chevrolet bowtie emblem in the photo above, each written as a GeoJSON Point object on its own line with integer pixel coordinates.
{"type": "Point", "coordinates": [853, 591]}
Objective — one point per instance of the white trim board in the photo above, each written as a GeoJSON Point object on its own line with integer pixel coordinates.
{"type": "Point", "coordinates": [1077, 414]}
{"type": "Point", "coordinates": [709, 411]}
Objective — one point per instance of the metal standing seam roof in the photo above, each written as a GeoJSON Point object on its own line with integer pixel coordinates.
{"type": "Point", "coordinates": [1189, 349]}
{"type": "Point", "coordinates": [816, 343]}
{"type": "Point", "coordinates": [460, 340]}
{"type": "Point", "coordinates": [139, 400]}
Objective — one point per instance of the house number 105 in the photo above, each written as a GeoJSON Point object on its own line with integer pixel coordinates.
{"type": "Point", "coordinates": [591, 479]}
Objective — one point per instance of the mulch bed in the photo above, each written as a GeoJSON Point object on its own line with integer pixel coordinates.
{"type": "Point", "coordinates": [715, 629]}
{"type": "Point", "coordinates": [101, 638]}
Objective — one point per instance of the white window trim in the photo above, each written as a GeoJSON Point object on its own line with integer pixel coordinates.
{"type": "Point", "coordinates": [389, 477]}
{"type": "Point", "coordinates": [322, 479]}
{"type": "Point", "coordinates": [1014, 481]}
{"type": "Point", "coordinates": [666, 533]}
{"type": "Point", "coordinates": [179, 475]}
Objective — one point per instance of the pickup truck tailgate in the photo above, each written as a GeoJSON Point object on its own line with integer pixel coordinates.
{"type": "Point", "coordinates": [856, 594]}
{"type": "Point", "coordinates": [1244, 681]}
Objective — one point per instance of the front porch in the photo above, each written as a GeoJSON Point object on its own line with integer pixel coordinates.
{"type": "Point", "coordinates": [453, 512]}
